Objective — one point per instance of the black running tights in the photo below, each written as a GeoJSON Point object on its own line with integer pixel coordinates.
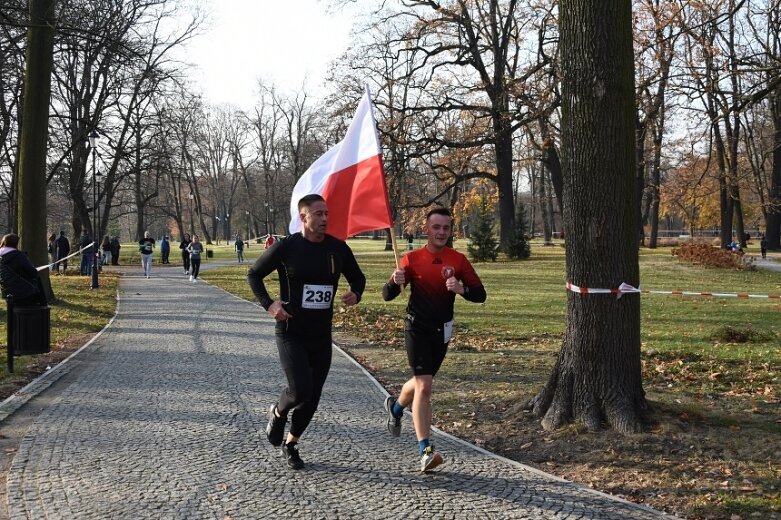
{"type": "Point", "coordinates": [306, 362]}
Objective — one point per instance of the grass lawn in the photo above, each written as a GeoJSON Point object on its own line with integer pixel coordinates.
{"type": "Point", "coordinates": [711, 370]}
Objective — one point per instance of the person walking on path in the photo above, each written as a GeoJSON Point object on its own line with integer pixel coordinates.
{"type": "Point", "coordinates": [436, 273]}
{"type": "Point", "coordinates": [763, 246]}
{"type": "Point", "coordinates": [63, 247]}
{"type": "Point", "coordinates": [309, 265]}
{"type": "Point", "coordinates": [183, 245]}
{"type": "Point", "coordinates": [146, 245]}
{"type": "Point", "coordinates": [194, 250]}
{"type": "Point", "coordinates": [87, 253]}
{"type": "Point", "coordinates": [115, 247]}
{"type": "Point", "coordinates": [238, 245]}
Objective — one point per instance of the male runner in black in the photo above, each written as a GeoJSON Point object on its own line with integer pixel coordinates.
{"type": "Point", "coordinates": [309, 265]}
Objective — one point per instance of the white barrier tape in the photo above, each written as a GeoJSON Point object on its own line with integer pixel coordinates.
{"type": "Point", "coordinates": [47, 266]}
{"type": "Point", "coordinates": [625, 288]}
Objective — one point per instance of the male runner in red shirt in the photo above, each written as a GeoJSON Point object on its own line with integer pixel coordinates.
{"type": "Point", "coordinates": [436, 273]}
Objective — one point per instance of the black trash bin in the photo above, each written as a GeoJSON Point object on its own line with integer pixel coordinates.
{"type": "Point", "coordinates": [31, 330]}
{"type": "Point", "coordinates": [209, 253]}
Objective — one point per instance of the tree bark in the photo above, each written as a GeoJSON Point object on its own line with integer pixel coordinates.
{"type": "Point", "coordinates": [34, 136]}
{"type": "Point", "coordinates": [597, 375]}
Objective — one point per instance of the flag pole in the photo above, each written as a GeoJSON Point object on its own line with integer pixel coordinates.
{"type": "Point", "coordinates": [395, 245]}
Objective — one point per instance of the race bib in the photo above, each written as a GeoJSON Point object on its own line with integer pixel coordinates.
{"type": "Point", "coordinates": [447, 330]}
{"type": "Point", "coordinates": [317, 296]}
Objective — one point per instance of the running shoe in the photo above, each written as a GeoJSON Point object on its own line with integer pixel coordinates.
{"type": "Point", "coordinates": [394, 423]}
{"type": "Point", "coordinates": [275, 428]}
{"type": "Point", "coordinates": [290, 451]}
{"type": "Point", "coordinates": [430, 459]}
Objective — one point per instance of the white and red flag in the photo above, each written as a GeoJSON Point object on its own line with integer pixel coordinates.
{"type": "Point", "coordinates": [351, 179]}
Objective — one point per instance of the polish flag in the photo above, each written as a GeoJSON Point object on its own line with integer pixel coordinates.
{"type": "Point", "coordinates": [351, 179]}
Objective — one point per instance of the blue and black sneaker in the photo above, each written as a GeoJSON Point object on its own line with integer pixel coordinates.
{"type": "Point", "coordinates": [394, 423]}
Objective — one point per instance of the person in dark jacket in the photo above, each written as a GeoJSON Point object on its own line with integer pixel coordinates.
{"type": "Point", "coordinates": [184, 245]}
{"type": "Point", "coordinates": [115, 247]}
{"type": "Point", "coordinates": [18, 275]}
{"type": "Point", "coordinates": [63, 249]}
{"type": "Point", "coordinates": [165, 250]}
{"type": "Point", "coordinates": [87, 254]}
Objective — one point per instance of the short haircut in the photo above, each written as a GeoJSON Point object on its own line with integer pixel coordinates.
{"type": "Point", "coordinates": [439, 211]}
{"type": "Point", "coordinates": [10, 240]}
{"type": "Point", "coordinates": [308, 200]}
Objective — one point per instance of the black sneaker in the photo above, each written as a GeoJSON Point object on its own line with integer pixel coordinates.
{"type": "Point", "coordinates": [275, 428]}
{"type": "Point", "coordinates": [290, 451]}
{"type": "Point", "coordinates": [394, 423]}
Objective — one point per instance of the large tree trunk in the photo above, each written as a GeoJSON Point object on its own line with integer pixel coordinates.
{"type": "Point", "coordinates": [35, 132]}
{"type": "Point", "coordinates": [503, 144]}
{"type": "Point", "coordinates": [597, 376]}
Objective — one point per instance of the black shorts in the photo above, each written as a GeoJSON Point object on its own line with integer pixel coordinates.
{"type": "Point", "coordinates": [425, 345]}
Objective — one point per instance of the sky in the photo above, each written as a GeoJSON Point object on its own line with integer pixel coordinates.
{"type": "Point", "coordinates": [284, 41]}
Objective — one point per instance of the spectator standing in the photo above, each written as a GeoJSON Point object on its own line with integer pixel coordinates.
{"type": "Point", "coordinates": [18, 275]}
{"type": "Point", "coordinates": [165, 250]}
{"type": "Point", "coordinates": [115, 247]}
{"type": "Point", "coordinates": [87, 253]}
{"type": "Point", "coordinates": [146, 245]}
{"type": "Point", "coordinates": [763, 246]}
{"type": "Point", "coordinates": [63, 249]}
{"type": "Point", "coordinates": [52, 250]}
{"type": "Point", "coordinates": [238, 245]}
{"type": "Point", "coordinates": [106, 247]}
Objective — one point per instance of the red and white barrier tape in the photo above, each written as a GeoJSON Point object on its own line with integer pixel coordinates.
{"type": "Point", "coordinates": [625, 288]}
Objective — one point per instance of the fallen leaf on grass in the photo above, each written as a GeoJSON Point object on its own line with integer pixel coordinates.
{"type": "Point", "coordinates": [527, 445]}
{"type": "Point", "coordinates": [747, 486]}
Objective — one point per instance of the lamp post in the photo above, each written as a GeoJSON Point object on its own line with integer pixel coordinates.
{"type": "Point", "coordinates": [246, 213]}
{"type": "Point", "coordinates": [265, 204]}
{"type": "Point", "coordinates": [192, 218]}
{"type": "Point", "coordinates": [93, 143]}
{"type": "Point", "coordinates": [273, 222]}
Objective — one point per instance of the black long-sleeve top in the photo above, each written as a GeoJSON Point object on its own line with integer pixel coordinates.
{"type": "Point", "coordinates": [309, 275]}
